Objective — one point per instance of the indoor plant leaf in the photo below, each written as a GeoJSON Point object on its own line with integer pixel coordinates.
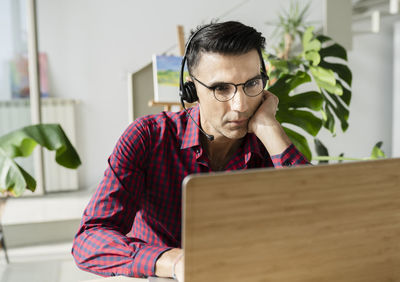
{"type": "Point", "coordinates": [325, 78]}
{"type": "Point", "coordinates": [51, 136]}
{"type": "Point", "coordinates": [286, 83]}
{"type": "Point", "coordinates": [299, 142]}
{"type": "Point", "coordinates": [312, 100]}
{"type": "Point", "coordinates": [304, 119]}
{"type": "Point", "coordinates": [321, 150]}
{"type": "Point", "coordinates": [329, 121]}
{"type": "Point", "coordinates": [377, 153]}
{"type": "Point", "coordinates": [314, 57]}
{"type": "Point", "coordinates": [342, 71]}
{"type": "Point", "coordinates": [13, 178]}
{"type": "Point", "coordinates": [323, 38]}
{"type": "Point", "coordinates": [20, 143]}
{"type": "Point", "coordinates": [309, 42]}
{"type": "Point", "coordinates": [346, 96]}
{"type": "Point", "coordinates": [334, 50]}
{"type": "Point", "coordinates": [340, 111]}
{"type": "Point", "coordinates": [325, 75]}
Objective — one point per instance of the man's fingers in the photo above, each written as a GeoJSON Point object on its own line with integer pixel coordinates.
{"type": "Point", "coordinates": [269, 95]}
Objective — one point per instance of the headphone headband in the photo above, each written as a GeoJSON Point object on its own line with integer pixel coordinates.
{"type": "Point", "coordinates": [184, 59]}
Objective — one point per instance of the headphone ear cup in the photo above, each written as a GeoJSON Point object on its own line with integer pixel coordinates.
{"type": "Point", "coordinates": [189, 92]}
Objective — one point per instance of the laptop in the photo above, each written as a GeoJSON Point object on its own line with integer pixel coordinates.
{"type": "Point", "coordinates": [324, 223]}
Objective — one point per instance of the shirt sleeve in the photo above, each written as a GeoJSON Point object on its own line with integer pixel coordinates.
{"type": "Point", "coordinates": [101, 246]}
{"type": "Point", "coordinates": [290, 157]}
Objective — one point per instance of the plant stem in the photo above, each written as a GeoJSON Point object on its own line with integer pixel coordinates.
{"type": "Point", "coordinates": [288, 46]}
{"type": "Point", "coordinates": [326, 158]}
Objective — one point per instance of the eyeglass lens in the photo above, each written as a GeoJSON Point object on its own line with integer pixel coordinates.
{"type": "Point", "coordinates": [225, 91]}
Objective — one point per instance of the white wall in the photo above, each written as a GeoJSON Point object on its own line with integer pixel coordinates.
{"type": "Point", "coordinates": [93, 44]}
{"type": "Point", "coordinates": [396, 91]}
{"type": "Point", "coordinates": [370, 120]}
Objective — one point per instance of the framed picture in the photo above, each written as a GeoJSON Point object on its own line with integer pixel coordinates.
{"type": "Point", "coordinates": [19, 76]}
{"type": "Point", "coordinates": [166, 73]}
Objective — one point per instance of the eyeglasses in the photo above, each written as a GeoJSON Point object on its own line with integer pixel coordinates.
{"type": "Point", "coordinates": [225, 91]}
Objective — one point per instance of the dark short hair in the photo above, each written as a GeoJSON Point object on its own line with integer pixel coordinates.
{"type": "Point", "coordinates": [231, 38]}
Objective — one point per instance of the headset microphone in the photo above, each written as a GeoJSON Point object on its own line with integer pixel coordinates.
{"type": "Point", "coordinates": [209, 137]}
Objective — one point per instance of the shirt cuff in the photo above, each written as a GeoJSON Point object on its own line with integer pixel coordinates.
{"type": "Point", "coordinates": [145, 260]}
{"type": "Point", "coordinates": [290, 157]}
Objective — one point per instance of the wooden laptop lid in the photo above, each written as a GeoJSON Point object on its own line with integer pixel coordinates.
{"type": "Point", "coordinates": [323, 223]}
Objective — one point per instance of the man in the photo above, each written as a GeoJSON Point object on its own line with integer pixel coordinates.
{"type": "Point", "coordinates": [132, 225]}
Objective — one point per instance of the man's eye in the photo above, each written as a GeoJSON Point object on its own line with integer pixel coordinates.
{"type": "Point", "coordinates": [222, 88]}
{"type": "Point", "coordinates": [253, 83]}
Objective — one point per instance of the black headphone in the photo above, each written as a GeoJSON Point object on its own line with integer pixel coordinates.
{"type": "Point", "coordinates": [187, 90]}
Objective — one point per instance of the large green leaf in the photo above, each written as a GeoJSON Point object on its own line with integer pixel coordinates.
{"type": "Point", "coordinates": [325, 78]}
{"type": "Point", "coordinates": [329, 120]}
{"type": "Point", "coordinates": [314, 57]}
{"type": "Point", "coordinates": [299, 141]}
{"type": "Point", "coordinates": [321, 149]}
{"type": "Point", "coordinates": [285, 84]}
{"type": "Point", "coordinates": [309, 42]}
{"type": "Point", "coordinates": [334, 50]}
{"type": "Point", "coordinates": [30, 181]}
{"type": "Point", "coordinates": [312, 100]}
{"type": "Point", "coordinates": [323, 38]}
{"type": "Point", "coordinates": [340, 110]}
{"type": "Point", "coordinates": [342, 71]}
{"type": "Point", "coordinates": [324, 75]}
{"type": "Point", "coordinates": [20, 143]}
{"type": "Point", "coordinates": [311, 47]}
{"type": "Point", "coordinates": [304, 119]}
{"type": "Point", "coordinates": [13, 178]}
{"type": "Point", "coordinates": [346, 97]}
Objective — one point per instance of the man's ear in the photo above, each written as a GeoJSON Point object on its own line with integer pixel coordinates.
{"type": "Point", "coordinates": [188, 78]}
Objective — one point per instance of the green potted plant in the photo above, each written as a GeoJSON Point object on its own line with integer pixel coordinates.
{"type": "Point", "coordinates": [306, 60]}
{"type": "Point", "coordinates": [14, 180]}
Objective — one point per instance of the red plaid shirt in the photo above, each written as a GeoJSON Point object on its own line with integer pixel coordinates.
{"type": "Point", "coordinates": [135, 214]}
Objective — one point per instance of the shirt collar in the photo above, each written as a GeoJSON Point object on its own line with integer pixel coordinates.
{"type": "Point", "coordinates": [191, 137]}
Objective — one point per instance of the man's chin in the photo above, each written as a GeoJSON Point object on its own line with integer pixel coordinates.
{"type": "Point", "coordinates": [237, 133]}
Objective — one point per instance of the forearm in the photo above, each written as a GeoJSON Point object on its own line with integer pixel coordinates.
{"type": "Point", "coordinates": [279, 146]}
{"type": "Point", "coordinates": [107, 252]}
{"type": "Point", "coordinates": [273, 137]}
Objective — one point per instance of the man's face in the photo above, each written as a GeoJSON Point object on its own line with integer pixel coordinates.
{"type": "Point", "coordinates": [226, 119]}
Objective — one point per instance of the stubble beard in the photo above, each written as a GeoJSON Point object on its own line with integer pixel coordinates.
{"type": "Point", "coordinates": [233, 132]}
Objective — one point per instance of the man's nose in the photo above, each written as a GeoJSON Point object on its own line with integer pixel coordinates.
{"type": "Point", "coordinates": [239, 102]}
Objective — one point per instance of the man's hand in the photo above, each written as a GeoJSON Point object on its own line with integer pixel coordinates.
{"type": "Point", "coordinates": [170, 264]}
{"type": "Point", "coordinates": [265, 126]}
{"type": "Point", "coordinates": [179, 270]}
{"type": "Point", "coordinates": [265, 114]}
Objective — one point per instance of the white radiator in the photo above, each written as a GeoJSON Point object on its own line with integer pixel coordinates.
{"type": "Point", "coordinates": [15, 114]}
